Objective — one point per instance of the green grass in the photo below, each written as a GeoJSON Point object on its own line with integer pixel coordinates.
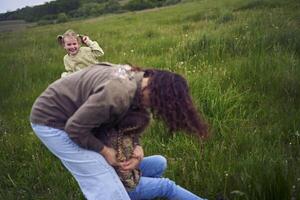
{"type": "Point", "coordinates": [14, 25]}
{"type": "Point", "coordinates": [242, 61]}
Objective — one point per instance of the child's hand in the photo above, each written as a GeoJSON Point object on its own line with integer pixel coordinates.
{"type": "Point", "coordinates": [85, 39]}
{"type": "Point", "coordinates": [138, 152]}
{"type": "Point", "coordinates": [130, 164]}
{"type": "Point", "coordinates": [137, 156]}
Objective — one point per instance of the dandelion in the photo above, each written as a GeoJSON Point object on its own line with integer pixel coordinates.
{"type": "Point", "coordinates": [131, 50]}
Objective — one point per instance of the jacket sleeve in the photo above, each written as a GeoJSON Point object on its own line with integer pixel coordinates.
{"type": "Point", "coordinates": [95, 48]}
{"type": "Point", "coordinates": [109, 102]}
{"type": "Point", "coordinates": [68, 68]}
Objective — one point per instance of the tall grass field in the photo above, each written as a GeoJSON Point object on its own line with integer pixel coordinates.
{"type": "Point", "coordinates": [242, 62]}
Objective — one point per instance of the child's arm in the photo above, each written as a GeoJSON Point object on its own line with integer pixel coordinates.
{"type": "Point", "coordinates": [96, 49]}
{"type": "Point", "coordinates": [138, 152]}
{"type": "Point", "coordinates": [68, 68]}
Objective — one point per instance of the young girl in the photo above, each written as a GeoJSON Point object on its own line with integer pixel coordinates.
{"type": "Point", "coordinates": [124, 137]}
{"type": "Point", "coordinates": [78, 57]}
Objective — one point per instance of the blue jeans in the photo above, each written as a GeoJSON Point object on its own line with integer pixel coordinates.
{"type": "Point", "coordinates": [99, 181]}
{"type": "Point", "coordinates": [152, 185]}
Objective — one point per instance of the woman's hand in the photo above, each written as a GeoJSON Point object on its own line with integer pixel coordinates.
{"type": "Point", "coordinates": [110, 156]}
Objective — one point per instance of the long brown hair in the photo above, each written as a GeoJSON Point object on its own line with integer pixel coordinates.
{"type": "Point", "coordinates": [170, 101]}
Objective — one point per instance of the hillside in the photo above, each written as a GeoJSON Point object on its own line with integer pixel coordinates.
{"type": "Point", "coordinates": [64, 10]}
{"type": "Point", "coordinates": [241, 59]}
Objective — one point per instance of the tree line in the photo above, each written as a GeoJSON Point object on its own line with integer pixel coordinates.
{"type": "Point", "coordinates": [63, 10]}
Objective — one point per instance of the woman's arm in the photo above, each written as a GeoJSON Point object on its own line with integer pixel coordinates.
{"type": "Point", "coordinates": [108, 102]}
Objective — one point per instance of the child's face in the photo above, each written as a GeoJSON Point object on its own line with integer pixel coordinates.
{"type": "Point", "coordinates": [71, 45]}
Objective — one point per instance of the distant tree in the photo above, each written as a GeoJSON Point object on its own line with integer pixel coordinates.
{"type": "Point", "coordinates": [144, 4]}
{"type": "Point", "coordinates": [88, 9]}
{"type": "Point", "coordinates": [37, 12]}
{"type": "Point", "coordinates": [27, 14]}
{"type": "Point", "coordinates": [64, 9]}
{"type": "Point", "coordinates": [112, 6]}
{"type": "Point", "coordinates": [68, 5]}
{"type": "Point", "coordinates": [171, 2]}
{"type": "Point", "coordinates": [138, 5]}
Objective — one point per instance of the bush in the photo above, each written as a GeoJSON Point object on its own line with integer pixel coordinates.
{"type": "Point", "coordinates": [62, 17]}
{"type": "Point", "coordinates": [49, 17]}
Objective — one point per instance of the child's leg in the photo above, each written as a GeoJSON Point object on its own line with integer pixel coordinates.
{"type": "Point", "coordinates": [96, 178]}
{"type": "Point", "coordinates": [150, 188]}
{"type": "Point", "coordinates": [153, 166]}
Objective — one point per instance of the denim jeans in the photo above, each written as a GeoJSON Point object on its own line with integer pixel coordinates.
{"type": "Point", "coordinates": [99, 181]}
{"type": "Point", "coordinates": [152, 185]}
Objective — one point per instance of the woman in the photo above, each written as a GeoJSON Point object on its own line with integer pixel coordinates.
{"type": "Point", "coordinates": [67, 113]}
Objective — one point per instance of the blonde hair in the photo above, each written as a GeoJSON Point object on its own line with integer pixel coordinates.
{"type": "Point", "coordinates": [68, 33]}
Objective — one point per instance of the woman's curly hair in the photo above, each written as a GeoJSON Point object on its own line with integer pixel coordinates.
{"type": "Point", "coordinates": [170, 101]}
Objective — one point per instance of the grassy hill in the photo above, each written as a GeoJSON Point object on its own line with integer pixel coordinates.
{"type": "Point", "coordinates": [60, 11]}
{"type": "Point", "coordinates": [242, 61]}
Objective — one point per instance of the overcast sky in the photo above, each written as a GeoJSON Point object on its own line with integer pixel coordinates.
{"type": "Point", "coordinates": [12, 5]}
